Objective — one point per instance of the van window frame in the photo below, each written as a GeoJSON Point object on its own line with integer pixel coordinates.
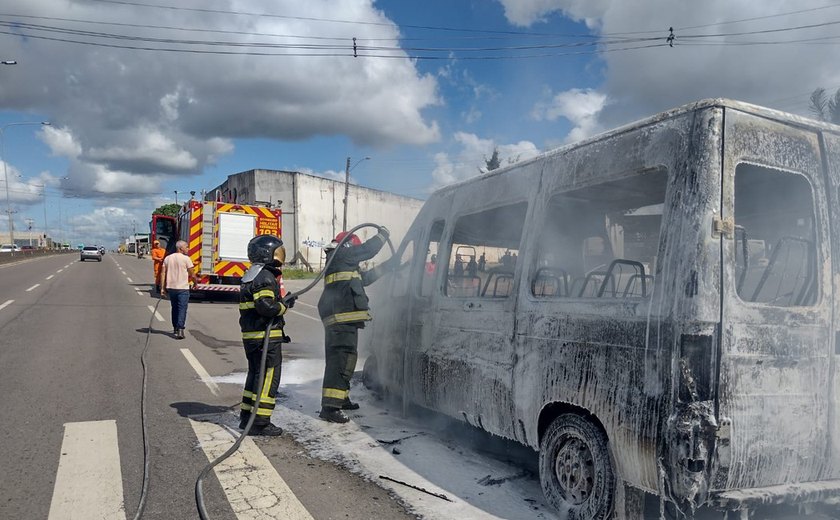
{"type": "Point", "coordinates": [631, 300]}
{"type": "Point", "coordinates": [448, 237]}
{"type": "Point", "coordinates": [819, 244]}
{"type": "Point", "coordinates": [421, 270]}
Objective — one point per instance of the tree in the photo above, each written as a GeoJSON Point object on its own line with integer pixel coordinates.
{"type": "Point", "coordinates": [824, 106]}
{"type": "Point", "coordinates": [493, 162]}
{"type": "Point", "coordinates": [170, 210]}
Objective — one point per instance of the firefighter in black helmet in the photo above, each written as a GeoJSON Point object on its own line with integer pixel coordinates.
{"type": "Point", "coordinates": [260, 302]}
{"type": "Point", "coordinates": [343, 308]}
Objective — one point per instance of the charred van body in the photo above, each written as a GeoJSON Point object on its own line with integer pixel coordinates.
{"type": "Point", "coordinates": [655, 312]}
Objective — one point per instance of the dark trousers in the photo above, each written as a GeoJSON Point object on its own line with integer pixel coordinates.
{"type": "Point", "coordinates": [179, 298]}
{"type": "Point", "coordinates": [341, 352]}
{"type": "Point", "coordinates": [266, 390]}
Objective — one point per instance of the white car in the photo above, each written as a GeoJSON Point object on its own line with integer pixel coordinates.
{"type": "Point", "coordinates": [9, 248]}
{"type": "Point", "coordinates": [90, 253]}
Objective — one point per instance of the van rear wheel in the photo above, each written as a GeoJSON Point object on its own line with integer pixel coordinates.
{"type": "Point", "coordinates": [575, 469]}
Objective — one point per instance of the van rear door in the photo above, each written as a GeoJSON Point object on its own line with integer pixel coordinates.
{"type": "Point", "coordinates": [776, 334]}
{"type": "Point", "coordinates": [832, 152]}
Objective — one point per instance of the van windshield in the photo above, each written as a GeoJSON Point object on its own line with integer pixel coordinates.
{"type": "Point", "coordinates": [601, 241]}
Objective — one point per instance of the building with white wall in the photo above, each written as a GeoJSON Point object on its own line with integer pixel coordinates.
{"type": "Point", "coordinates": [313, 208]}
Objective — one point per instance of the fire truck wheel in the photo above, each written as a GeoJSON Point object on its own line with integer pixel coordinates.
{"type": "Point", "coordinates": [575, 469]}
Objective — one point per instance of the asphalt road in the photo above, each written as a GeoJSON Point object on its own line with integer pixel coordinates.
{"type": "Point", "coordinates": [72, 334]}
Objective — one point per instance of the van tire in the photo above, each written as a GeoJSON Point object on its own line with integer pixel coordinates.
{"type": "Point", "coordinates": [576, 471]}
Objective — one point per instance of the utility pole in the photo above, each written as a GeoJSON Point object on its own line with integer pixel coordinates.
{"type": "Point", "coordinates": [29, 222]}
{"type": "Point", "coordinates": [347, 170]}
{"type": "Point", "coordinates": [176, 197]}
{"type": "Point", "coordinates": [346, 192]}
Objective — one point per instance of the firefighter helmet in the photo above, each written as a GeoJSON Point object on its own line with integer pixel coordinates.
{"type": "Point", "coordinates": [353, 241]}
{"type": "Point", "coordinates": [266, 249]}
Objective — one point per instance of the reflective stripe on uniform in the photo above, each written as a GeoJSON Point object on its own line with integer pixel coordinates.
{"type": "Point", "coordinates": [341, 276]}
{"type": "Point", "coordinates": [246, 305]}
{"type": "Point", "coordinates": [265, 293]}
{"type": "Point", "coordinates": [260, 334]}
{"type": "Point", "coordinates": [335, 393]}
{"type": "Point", "coordinates": [347, 317]}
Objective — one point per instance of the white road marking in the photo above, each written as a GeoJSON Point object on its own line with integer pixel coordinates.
{"type": "Point", "coordinates": [34, 287]}
{"type": "Point", "coordinates": [202, 373]}
{"type": "Point", "coordinates": [157, 314]}
{"type": "Point", "coordinates": [253, 487]}
{"type": "Point", "coordinates": [6, 304]}
{"type": "Point", "coordinates": [298, 302]}
{"type": "Point", "coordinates": [50, 276]}
{"type": "Point", "coordinates": [66, 266]}
{"type": "Point", "coordinates": [88, 483]}
{"type": "Point", "coordinates": [304, 315]}
{"type": "Point", "coordinates": [129, 279]}
{"type": "Point", "coordinates": [60, 270]}
{"type": "Point", "coordinates": [139, 293]}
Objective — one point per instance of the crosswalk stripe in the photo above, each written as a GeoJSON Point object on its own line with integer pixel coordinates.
{"type": "Point", "coordinates": [88, 484]}
{"type": "Point", "coordinates": [252, 485]}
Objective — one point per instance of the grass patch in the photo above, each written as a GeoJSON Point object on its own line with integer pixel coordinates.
{"type": "Point", "coordinates": [298, 274]}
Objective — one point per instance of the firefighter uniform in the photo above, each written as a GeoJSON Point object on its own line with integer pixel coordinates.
{"type": "Point", "coordinates": [344, 309]}
{"type": "Point", "coordinates": [259, 303]}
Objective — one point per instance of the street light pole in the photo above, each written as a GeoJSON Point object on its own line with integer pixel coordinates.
{"type": "Point", "coordinates": [176, 197]}
{"type": "Point", "coordinates": [347, 170]}
{"type": "Point", "coordinates": [6, 172]}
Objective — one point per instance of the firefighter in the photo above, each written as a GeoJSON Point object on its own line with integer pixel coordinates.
{"type": "Point", "coordinates": [343, 308]}
{"type": "Point", "coordinates": [158, 253]}
{"type": "Point", "coordinates": [260, 302]}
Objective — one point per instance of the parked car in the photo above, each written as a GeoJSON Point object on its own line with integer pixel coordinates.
{"type": "Point", "coordinates": [90, 253]}
{"type": "Point", "coordinates": [9, 248]}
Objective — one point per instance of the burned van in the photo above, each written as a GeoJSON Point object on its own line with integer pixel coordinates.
{"type": "Point", "coordinates": [651, 309]}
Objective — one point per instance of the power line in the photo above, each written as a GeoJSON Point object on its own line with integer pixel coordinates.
{"type": "Point", "coordinates": [788, 13]}
{"type": "Point", "coordinates": [349, 53]}
{"type": "Point", "coordinates": [348, 46]}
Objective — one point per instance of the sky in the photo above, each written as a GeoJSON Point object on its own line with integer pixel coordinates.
{"type": "Point", "coordinates": [146, 98]}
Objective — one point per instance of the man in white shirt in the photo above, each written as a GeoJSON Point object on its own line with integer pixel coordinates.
{"type": "Point", "coordinates": [178, 271]}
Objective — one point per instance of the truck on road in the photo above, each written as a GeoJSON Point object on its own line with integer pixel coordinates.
{"type": "Point", "coordinates": [217, 236]}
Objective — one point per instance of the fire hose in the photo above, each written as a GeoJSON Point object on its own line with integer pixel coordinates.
{"type": "Point", "coordinates": [258, 382]}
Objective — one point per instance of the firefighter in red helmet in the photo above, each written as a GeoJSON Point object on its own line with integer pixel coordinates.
{"type": "Point", "coordinates": [343, 308]}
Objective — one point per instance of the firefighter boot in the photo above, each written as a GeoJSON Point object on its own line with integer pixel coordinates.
{"type": "Point", "coordinates": [349, 405]}
{"type": "Point", "coordinates": [269, 430]}
{"type": "Point", "coordinates": [333, 415]}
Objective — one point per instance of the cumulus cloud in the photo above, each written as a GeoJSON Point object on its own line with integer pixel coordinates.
{"type": "Point", "coordinates": [106, 226]}
{"type": "Point", "coordinates": [528, 12]}
{"type": "Point", "coordinates": [581, 107]}
{"type": "Point", "coordinates": [125, 114]}
{"type": "Point", "coordinates": [470, 158]}
{"type": "Point", "coordinates": [643, 82]}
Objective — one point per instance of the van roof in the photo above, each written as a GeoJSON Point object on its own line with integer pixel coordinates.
{"type": "Point", "coordinates": [742, 106]}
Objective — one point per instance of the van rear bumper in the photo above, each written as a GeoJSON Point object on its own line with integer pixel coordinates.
{"type": "Point", "coordinates": [826, 491]}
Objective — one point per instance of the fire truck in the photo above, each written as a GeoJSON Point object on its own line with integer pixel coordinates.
{"type": "Point", "coordinates": [217, 235]}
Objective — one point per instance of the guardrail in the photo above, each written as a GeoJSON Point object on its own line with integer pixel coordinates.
{"type": "Point", "coordinates": [16, 256]}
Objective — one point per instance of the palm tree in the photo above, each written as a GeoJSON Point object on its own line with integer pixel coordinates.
{"type": "Point", "coordinates": [824, 106]}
